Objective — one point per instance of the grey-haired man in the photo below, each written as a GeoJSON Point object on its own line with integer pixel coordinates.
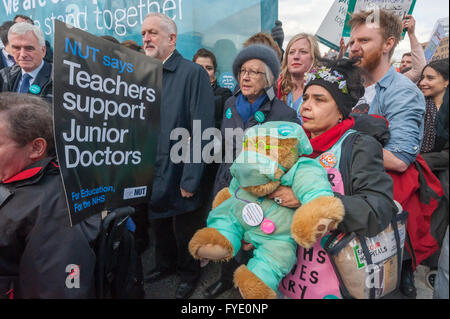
{"type": "Point", "coordinates": [31, 74]}
{"type": "Point", "coordinates": [177, 207]}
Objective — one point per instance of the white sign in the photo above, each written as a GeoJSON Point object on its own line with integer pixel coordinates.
{"type": "Point", "coordinates": [330, 31]}
{"type": "Point", "coordinates": [435, 41]}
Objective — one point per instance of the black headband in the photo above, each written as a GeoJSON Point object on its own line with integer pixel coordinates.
{"type": "Point", "coordinates": [343, 100]}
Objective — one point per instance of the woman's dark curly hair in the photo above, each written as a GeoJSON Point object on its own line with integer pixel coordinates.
{"type": "Point", "coordinates": [354, 75]}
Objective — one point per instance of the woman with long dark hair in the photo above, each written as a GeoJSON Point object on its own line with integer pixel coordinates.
{"type": "Point", "coordinates": [433, 84]}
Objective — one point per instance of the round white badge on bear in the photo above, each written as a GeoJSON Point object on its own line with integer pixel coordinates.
{"type": "Point", "coordinates": [252, 214]}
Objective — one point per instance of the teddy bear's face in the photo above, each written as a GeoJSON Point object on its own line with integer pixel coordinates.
{"type": "Point", "coordinates": [283, 151]}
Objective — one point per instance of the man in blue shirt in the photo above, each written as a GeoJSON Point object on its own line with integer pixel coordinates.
{"type": "Point", "coordinates": [374, 36]}
{"type": "Point", "coordinates": [389, 93]}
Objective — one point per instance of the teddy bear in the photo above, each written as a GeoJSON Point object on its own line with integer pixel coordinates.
{"type": "Point", "coordinates": [270, 157]}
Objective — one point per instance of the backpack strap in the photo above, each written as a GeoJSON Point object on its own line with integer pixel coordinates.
{"type": "Point", "coordinates": [346, 162]}
{"type": "Point", "coordinates": [399, 251]}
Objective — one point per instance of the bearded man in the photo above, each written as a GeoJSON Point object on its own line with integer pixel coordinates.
{"type": "Point", "coordinates": [374, 36]}
{"type": "Point", "coordinates": [388, 93]}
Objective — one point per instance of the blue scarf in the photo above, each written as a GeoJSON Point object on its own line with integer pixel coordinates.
{"type": "Point", "coordinates": [247, 110]}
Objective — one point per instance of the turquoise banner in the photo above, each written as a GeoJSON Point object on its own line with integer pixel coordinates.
{"type": "Point", "coordinates": [219, 25]}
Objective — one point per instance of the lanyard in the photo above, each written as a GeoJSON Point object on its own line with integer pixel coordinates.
{"type": "Point", "coordinates": [291, 104]}
{"type": "Point", "coordinates": [241, 199]}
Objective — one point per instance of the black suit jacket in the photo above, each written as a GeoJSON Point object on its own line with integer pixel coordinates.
{"type": "Point", "coordinates": [10, 78]}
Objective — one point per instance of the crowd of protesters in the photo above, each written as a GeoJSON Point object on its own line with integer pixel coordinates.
{"type": "Point", "coordinates": [396, 155]}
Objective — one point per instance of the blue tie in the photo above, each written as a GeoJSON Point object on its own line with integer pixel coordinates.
{"type": "Point", "coordinates": [25, 85]}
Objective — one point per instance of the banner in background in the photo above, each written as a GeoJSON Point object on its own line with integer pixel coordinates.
{"type": "Point", "coordinates": [436, 38]}
{"type": "Point", "coordinates": [399, 7]}
{"type": "Point", "coordinates": [106, 121]}
{"type": "Point", "coordinates": [330, 31]}
{"type": "Point", "coordinates": [218, 25]}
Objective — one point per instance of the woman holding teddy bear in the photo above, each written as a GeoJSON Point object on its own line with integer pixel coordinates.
{"type": "Point", "coordinates": [354, 163]}
{"type": "Point", "coordinates": [353, 160]}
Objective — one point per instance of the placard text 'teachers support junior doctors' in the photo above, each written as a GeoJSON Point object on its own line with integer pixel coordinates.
{"type": "Point", "coordinates": [104, 109]}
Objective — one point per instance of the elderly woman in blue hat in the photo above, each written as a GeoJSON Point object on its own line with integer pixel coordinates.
{"type": "Point", "coordinates": [256, 69]}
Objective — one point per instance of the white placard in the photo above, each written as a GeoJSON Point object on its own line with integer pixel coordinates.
{"type": "Point", "coordinates": [435, 40]}
{"type": "Point", "coordinates": [330, 31]}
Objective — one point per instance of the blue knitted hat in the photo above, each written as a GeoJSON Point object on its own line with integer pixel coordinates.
{"type": "Point", "coordinates": [260, 52]}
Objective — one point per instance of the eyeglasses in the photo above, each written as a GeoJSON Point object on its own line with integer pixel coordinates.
{"type": "Point", "coordinates": [251, 73]}
{"type": "Point", "coordinates": [262, 144]}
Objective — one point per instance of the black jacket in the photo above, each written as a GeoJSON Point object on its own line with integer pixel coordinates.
{"type": "Point", "coordinates": [10, 78]}
{"type": "Point", "coordinates": [37, 242]}
{"type": "Point", "coordinates": [221, 95]}
{"type": "Point", "coordinates": [273, 110]}
{"type": "Point", "coordinates": [187, 96]}
{"type": "Point", "coordinates": [368, 199]}
{"type": "Point", "coordinates": [2, 60]}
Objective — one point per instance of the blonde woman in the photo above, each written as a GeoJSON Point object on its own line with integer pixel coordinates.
{"type": "Point", "coordinates": [302, 54]}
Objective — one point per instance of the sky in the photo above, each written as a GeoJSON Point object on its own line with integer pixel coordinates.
{"type": "Point", "coordinates": [307, 15]}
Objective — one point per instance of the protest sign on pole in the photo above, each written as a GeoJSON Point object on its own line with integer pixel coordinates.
{"type": "Point", "coordinates": [399, 7]}
{"type": "Point", "coordinates": [106, 121]}
{"type": "Point", "coordinates": [435, 40]}
{"type": "Point", "coordinates": [330, 31]}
